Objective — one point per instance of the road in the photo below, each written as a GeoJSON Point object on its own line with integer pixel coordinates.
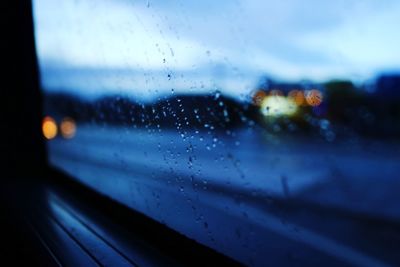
{"type": "Point", "coordinates": [196, 181]}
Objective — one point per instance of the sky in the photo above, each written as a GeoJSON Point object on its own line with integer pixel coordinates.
{"type": "Point", "coordinates": [154, 46]}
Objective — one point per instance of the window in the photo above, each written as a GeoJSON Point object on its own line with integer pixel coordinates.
{"type": "Point", "coordinates": [265, 130]}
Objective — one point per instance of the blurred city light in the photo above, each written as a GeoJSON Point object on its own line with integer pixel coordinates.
{"type": "Point", "coordinates": [314, 97]}
{"type": "Point", "coordinates": [277, 105]}
{"type": "Point", "coordinates": [258, 97]}
{"type": "Point", "coordinates": [49, 128]}
{"type": "Point", "coordinates": [68, 128]}
{"type": "Point", "coordinates": [297, 96]}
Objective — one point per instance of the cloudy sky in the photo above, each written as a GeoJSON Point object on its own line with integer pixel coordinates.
{"type": "Point", "coordinates": [198, 44]}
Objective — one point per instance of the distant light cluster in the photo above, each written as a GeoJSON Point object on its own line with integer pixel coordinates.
{"type": "Point", "coordinates": [50, 129]}
{"type": "Point", "coordinates": [275, 103]}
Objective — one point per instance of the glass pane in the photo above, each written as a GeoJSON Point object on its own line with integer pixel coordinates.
{"type": "Point", "coordinates": [267, 130]}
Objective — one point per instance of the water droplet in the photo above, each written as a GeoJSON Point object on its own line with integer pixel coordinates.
{"type": "Point", "coordinates": [217, 94]}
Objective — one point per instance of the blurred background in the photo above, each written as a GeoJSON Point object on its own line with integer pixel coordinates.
{"type": "Point", "coordinates": [268, 132]}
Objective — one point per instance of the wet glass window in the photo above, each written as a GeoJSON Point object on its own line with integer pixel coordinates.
{"type": "Point", "coordinates": [266, 130]}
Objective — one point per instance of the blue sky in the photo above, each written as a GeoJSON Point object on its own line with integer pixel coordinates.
{"type": "Point", "coordinates": [215, 43]}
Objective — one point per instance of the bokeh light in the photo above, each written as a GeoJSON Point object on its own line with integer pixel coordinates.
{"type": "Point", "coordinates": [49, 127]}
{"type": "Point", "coordinates": [278, 106]}
{"type": "Point", "coordinates": [314, 97]}
{"type": "Point", "coordinates": [68, 128]}
{"type": "Point", "coordinates": [258, 97]}
{"type": "Point", "coordinates": [297, 96]}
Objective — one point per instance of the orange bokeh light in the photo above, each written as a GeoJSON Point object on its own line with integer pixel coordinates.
{"type": "Point", "coordinates": [297, 96]}
{"type": "Point", "coordinates": [314, 97]}
{"type": "Point", "coordinates": [68, 128]}
{"type": "Point", "coordinates": [49, 127]}
{"type": "Point", "coordinates": [258, 97]}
